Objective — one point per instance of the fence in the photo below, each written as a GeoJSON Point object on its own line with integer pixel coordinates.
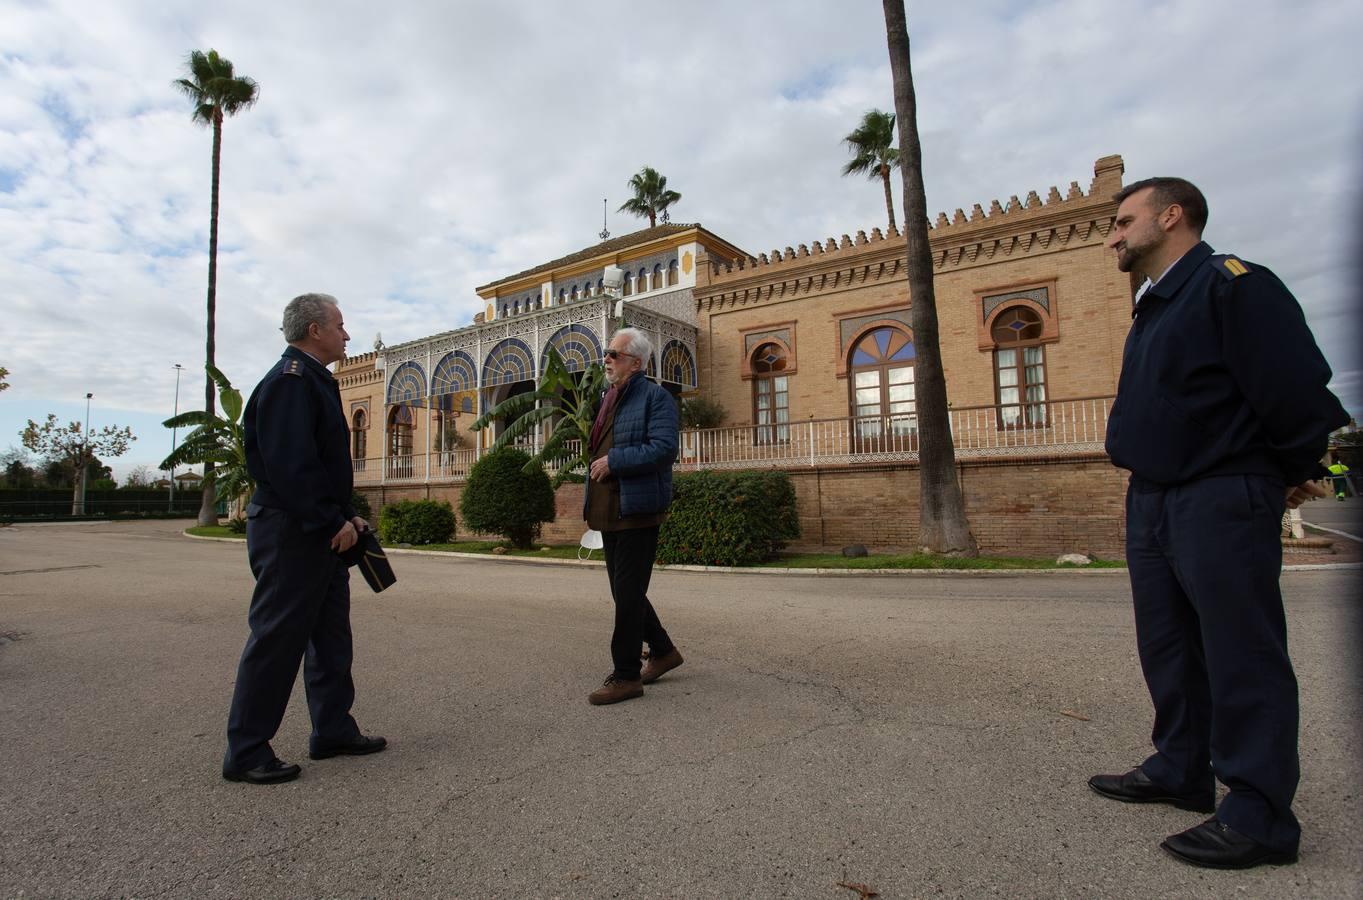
{"type": "Point", "coordinates": [23, 504]}
{"type": "Point", "coordinates": [1052, 428]}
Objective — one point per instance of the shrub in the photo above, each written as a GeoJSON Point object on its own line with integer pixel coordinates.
{"type": "Point", "coordinates": [700, 412]}
{"type": "Point", "coordinates": [729, 518]}
{"type": "Point", "coordinates": [502, 498]}
{"type": "Point", "coordinates": [417, 522]}
{"type": "Point", "coordinates": [361, 504]}
{"type": "Point", "coordinates": [237, 525]}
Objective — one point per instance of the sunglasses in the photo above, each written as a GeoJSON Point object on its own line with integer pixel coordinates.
{"type": "Point", "coordinates": [616, 354]}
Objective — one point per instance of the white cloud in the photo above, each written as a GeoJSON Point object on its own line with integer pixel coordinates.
{"type": "Point", "coordinates": [400, 160]}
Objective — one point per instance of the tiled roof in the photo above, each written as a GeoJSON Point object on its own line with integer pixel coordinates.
{"type": "Point", "coordinates": [610, 246]}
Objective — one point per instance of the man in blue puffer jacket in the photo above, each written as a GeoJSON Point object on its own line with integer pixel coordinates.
{"type": "Point", "coordinates": [633, 445]}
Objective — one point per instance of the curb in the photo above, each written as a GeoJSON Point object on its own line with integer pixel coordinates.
{"type": "Point", "coordinates": [822, 573]}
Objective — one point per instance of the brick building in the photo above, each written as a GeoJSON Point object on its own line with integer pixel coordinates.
{"type": "Point", "coordinates": [810, 352]}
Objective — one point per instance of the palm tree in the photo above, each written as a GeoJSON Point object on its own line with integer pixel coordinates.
{"type": "Point", "coordinates": [873, 152]}
{"type": "Point", "coordinates": [216, 93]}
{"type": "Point", "coordinates": [567, 397]}
{"type": "Point", "coordinates": [651, 196]}
{"type": "Point", "coordinates": [943, 527]}
{"type": "Point", "coordinates": [216, 440]}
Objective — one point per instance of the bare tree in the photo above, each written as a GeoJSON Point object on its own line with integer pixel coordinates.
{"type": "Point", "coordinates": [943, 527]}
{"type": "Point", "coordinates": [69, 447]}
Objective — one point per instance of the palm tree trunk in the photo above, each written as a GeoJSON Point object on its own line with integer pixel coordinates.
{"type": "Point", "coordinates": [208, 514]}
{"type": "Point", "coordinates": [652, 219]}
{"type": "Point", "coordinates": [943, 527]}
{"type": "Point", "coordinates": [889, 196]}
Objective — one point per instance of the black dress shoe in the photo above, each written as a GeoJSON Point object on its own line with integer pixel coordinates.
{"type": "Point", "coordinates": [1215, 845]}
{"type": "Point", "coordinates": [275, 771]}
{"type": "Point", "coordinates": [359, 745]}
{"type": "Point", "coordinates": [1136, 787]}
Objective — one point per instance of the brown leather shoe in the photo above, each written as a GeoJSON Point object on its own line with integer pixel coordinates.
{"type": "Point", "coordinates": [614, 690]}
{"type": "Point", "coordinates": [654, 668]}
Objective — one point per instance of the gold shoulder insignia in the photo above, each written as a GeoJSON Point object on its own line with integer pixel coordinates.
{"type": "Point", "coordinates": [1234, 266]}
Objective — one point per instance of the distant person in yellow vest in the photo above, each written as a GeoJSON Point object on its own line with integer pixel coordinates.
{"type": "Point", "coordinates": [1339, 474]}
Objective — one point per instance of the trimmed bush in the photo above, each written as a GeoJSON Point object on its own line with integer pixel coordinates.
{"type": "Point", "coordinates": [361, 504]}
{"type": "Point", "coordinates": [417, 522]}
{"type": "Point", "coordinates": [728, 518]}
{"type": "Point", "coordinates": [502, 498]}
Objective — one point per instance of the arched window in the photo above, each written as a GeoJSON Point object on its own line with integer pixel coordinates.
{"type": "Point", "coordinates": [359, 428]}
{"type": "Point", "coordinates": [657, 277]}
{"type": "Point", "coordinates": [883, 401]}
{"type": "Point", "coordinates": [573, 295]}
{"type": "Point", "coordinates": [562, 296]}
{"type": "Point", "coordinates": [401, 424]}
{"type": "Point", "coordinates": [1019, 368]}
{"type": "Point", "coordinates": [506, 310]}
{"type": "Point", "coordinates": [642, 284]}
{"type": "Point", "coordinates": [628, 289]}
{"type": "Point", "coordinates": [600, 287]}
{"type": "Point", "coordinates": [516, 308]}
{"type": "Point", "coordinates": [771, 394]}
{"type": "Point", "coordinates": [539, 303]}
{"type": "Point", "coordinates": [673, 273]}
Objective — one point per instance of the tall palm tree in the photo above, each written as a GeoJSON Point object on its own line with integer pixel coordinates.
{"type": "Point", "coordinates": [943, 527]}
{"type": "Point", "coordinates": [216, 92]}
{"type": "Point", "coordinates": [873, 152]}
{"type": "Point", "coordinates": [651, 196]}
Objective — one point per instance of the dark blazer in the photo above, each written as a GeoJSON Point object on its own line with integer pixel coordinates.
{"type": "Point", "coordinates": [1221, 376]}
{"type": "Point", "coordinates": [298, 444]}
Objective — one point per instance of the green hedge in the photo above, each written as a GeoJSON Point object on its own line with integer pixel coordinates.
{"type": "Point", "coordinates": [417, 522]}
{"type": "Point", "coordinates": [729, 518]}
{"type": "Point", "coordinates": [502, 498]}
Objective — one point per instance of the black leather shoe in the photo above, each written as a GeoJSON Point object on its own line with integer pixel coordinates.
{"type": "Point", "coordinates": [1215, 845]}
{"type": "Point", "coordinates": [276, 771]}
{"type": "Point", "coordinates": [1136, 787]}
{"type": "Point", "coordinates": [359, 745]}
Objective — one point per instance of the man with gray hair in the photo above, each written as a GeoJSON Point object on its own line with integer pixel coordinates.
{"type": "Point", "coordinates": [633, 445]}
{"type": "Point", "coordinates": [298, 522]}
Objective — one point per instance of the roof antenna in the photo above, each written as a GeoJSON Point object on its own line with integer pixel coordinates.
{"type": "Point", "coordinates": [604, 233]}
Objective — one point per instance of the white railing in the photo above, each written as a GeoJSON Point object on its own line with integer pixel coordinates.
{"type": "Point", "coordinates": [1049, 428]}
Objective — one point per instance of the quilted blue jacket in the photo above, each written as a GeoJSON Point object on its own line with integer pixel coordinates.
{"type": "Point", "coordinates": [644, 446]}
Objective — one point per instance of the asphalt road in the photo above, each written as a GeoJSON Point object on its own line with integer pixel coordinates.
{"type": "Point", "coordinates": [1342, 515]}
{"type": "Point", "coordinates": [922, 735]}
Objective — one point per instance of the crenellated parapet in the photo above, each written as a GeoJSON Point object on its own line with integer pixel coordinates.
{"type": "Point", "coordinates": [1017, 229]}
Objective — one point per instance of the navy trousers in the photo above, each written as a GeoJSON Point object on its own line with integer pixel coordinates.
{"type": "Point", "coordinates": [1204, 560]}
{"type": "Point", "coordinates": [300, 612]}
{"type": "Point", "coordinates": [629, 566]}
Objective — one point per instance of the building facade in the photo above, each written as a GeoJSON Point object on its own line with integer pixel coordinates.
{"type": "Point", "coordinates": [810, 351]}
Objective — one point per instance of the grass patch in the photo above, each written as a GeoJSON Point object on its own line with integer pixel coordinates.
{"type": "Point", "coordinates": [554, 551]}
{"type": "Point", "coordinates": [214, 531]}
{"type": "Point", "coordinates": [792, 561]}
{"type": "Point", "coordinates": [926, 561]}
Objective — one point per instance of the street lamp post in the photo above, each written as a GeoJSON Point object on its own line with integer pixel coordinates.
{"type": "Point", "coordinates": [171, 506]}
{"type": "Point", "coordinates": [85, 452]}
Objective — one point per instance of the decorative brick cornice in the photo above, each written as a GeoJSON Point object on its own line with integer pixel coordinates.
{"type": "Point", "coordinates": [1018, 230]}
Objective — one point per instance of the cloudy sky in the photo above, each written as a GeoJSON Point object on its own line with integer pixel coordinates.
{"type": "Point", "coordinates": [401, 155]}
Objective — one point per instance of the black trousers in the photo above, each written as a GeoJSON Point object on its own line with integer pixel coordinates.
{"type": "Point", "coordinates": [629, 566]}
{"type": "Point", "coordinates": [300, 612]}
{"type": "Point", "coordinates": [1204, 560]}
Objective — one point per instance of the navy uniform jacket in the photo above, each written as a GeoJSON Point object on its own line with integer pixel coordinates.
{"type": "Point", "coordinates": [1221, 376]}
{"type": "Point", "coordinates": [298, 444]}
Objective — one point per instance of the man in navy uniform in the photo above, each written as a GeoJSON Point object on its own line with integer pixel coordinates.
{"type": "Point", "coordinates": [298, 523]}
{"type": "Point", "coordinates": [1222, 416]}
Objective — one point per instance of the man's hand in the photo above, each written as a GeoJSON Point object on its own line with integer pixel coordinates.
{"type": "Point", "coordinates": [345, 538]}
{"type": "Point", "coordinates": [361, 525]}
{"type": "Point", "coordinates": [1307, 490]}
{"type": "Point", "coordinates": [601, 469]}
